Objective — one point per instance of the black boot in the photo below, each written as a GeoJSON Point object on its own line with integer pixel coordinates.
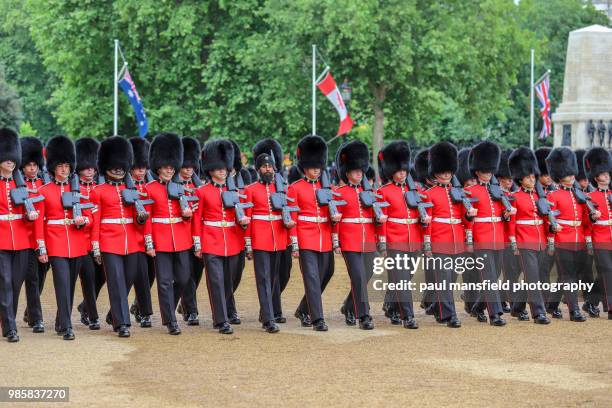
{"type": "Point", "coordinates": [349, 316]}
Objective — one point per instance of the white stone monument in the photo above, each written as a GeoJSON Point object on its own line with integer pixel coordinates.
{"type": "Point", "coordinates": [587, 88]}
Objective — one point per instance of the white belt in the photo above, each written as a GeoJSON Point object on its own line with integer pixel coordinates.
{"type": "Point", "coordinates": [570, 223]}
{"type": "Point", "coordinates": [603, 222]}
{"type": "Point", "coordinates": [447, 220]}
{"type": "Point", "coordinates": [529, 222]}
{"type": "Point", "coordinates": [267, 217]}
{"type": "Point", "coordinates": [63, 221]}
{"type": "Point", "coordinates": [357, 220]}
{"type": "Point", "coordinates": [117, 221]}
{"type": "Point", "coordinates": [220, 223]}
{"type": "Point", "coordinates": [404, 221]}
{"type": "Point", "coordinates": [172, 220]}
{"type": "Point", "coordinates": [487, 219]}
{"type": "Point", "coordinates": [10, 217]}
{"type": "Point", "coordinates": [312, 219]}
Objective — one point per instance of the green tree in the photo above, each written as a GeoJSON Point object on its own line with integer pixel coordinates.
{"type": "Point", "coordinates": [10, 106]}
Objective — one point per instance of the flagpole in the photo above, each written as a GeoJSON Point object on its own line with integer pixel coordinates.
{"type": "Point", "coordinates": [116, 91]}
{"type": "Point", "coordinates": [531, 101]}
{"type": "Point", "coordinates": [314, 89]}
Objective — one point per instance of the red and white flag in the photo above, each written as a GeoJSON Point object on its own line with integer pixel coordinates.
{"type": "Point", "coordinates": [329, 88]}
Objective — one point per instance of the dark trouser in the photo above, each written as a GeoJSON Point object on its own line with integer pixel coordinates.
{"type": "Point", "coordinates": [217, 269]}
{"type": "Point", "coordinates": [232, 280]}
{"type": "Point", "coordinates": [266, 264]}
{"type": "Point", "coordinates": [279, 285]}
{"type": "Point", "coordinates": [13, 270]}
{"type": "Point", "coordinates": [171, 268]}
{"type": "Point", "coordinates": [568, 263]}
{"type": "Point", "coordinates": [529, 261]}
{"type": "Point", "coordinates": [429, 296]}
{"type": "Point", "coordinates": [189, 301]}
{"type": "Point", "coordinates": [143, 283]}
{"type": "Point", "coordinates": [360, 266]}
{"type": "Point", "coordinates": [35, 280]}
{"type": "Point", "coordinates": [444, 303]}
{"type": "Point", "coordinates": [603, 260]}
{"type": "Point", "coordinates": [489, 299]}
{"type": "Point", "coordinates": [90, 285]}
{"type": "Point", "coordinates": [65, 272]}
{"type": "Point", "coordinates": [317, 269]}
{"type": "Point", "coordinates": [585, 273]}
{"type": "Point", "coordinates": [401, 300]}
{"type": "Point", "coordinates": [551, 299]}
{"type": "Point", "coordinates": [512, 271]}
{"type": "Point", "coordinates": [469, 276]}
{"type": "Point", "coordinates": [120, 271]}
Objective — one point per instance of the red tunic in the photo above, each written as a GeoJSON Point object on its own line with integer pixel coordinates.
{"type": "Point", "coordinates": [571, 236]}
{"type": "Point", "coordinates": [487, 234]}
{"type": "Point", "coordinates": [601, 230]}
{"type": "Point", "coordinates": [170, 232]}
{"type": "Point", "coordinates": [14, 228]}
{"type": "Point", "coordinates": [406, 236]}
{"type": "Point", "coordinates": [446, 238]}
{"type": "Point", "coordinates": [265, 235]}
{"type": "Point", "coordinates": [34, 185]}
{"type": "Point", "coordinates": [114, 224]}
{"type": "Point", "coordinates": [355, 236]}
{"type": "Point", "coordinates": [216, 225]}
{"type": "Point", "coordinates": [313, 236]}
{"type": "Point", "coordinates": [86, 189]}
{"type": "Point", "coordinates": [61, 239]}
{"type": "Point", "coordinates": [531, 230]}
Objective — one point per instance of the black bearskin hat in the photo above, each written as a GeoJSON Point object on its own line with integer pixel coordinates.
{"type": "Point", "coordinates": [86, 153]}
{"type": "Point", "coordinates": [32, 151]}
{"type": "Point", "coordinates": [503, 170]}
{"type": "Point", "coordinates": [270, 147]}
{"type": "Point", "coordinates": [60, 149]}
{"type": "Point", "coordinates": [311, 152]}
{"type": "Point", "coordinates": [394, 157]}
{"type": "Point", "coordinates": [352, 155]}
{"type": "Point", "coordinates": [294, 174]}
{"type": "Point", "coordinates": [140, 147]}
{"type": "Point", "coordinates": [166, 150]}
{"type": "Point", "coordinates": [522, 162]}
{"type": "Point", "coordinates": [485, 157]}
{"type": "Point", "coordinates": [253, 176]}
{"type": "Point", "coordinates": [596, 161]}
{"type": "Point", "coordinates": [420, 166]}
{"type": "Point", "coordinates": [237, 160]}
{"type": "Point", "coordinates": [442, 158]}
{"type": "Point", "coordinates": [191, 153]}
{"type": "Point", "coordinates": [580, 161]}
{"type": "Point", "coordinates": [541, 154]}
{"type": "Point", "coordinates": [115, 153]}
{"type": "Point", "coordinates": [463, 168]}
{"type": "Point", "coordinates": [561, 162]}
{"type": "Point", "coordinates": [10, 148]}
{"type": "Point", "coordinates": [217, 154]}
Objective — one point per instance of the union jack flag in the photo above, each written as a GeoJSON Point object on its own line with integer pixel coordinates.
{"type": "Point", "coordinates": [542, 89]}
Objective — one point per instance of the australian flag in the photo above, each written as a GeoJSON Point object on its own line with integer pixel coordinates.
{"type": "Point", "coordinates": [127, 84]}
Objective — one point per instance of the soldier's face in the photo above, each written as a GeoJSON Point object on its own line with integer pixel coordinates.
{"type": "Point", "coordinates": [354, 176]}
{"type": "Point", "coordinates": [400, 176]}
{"type": "Point", "coordinates": [528, 182]}
{"type": "Point", "coordinates": [444, 178]}
{"type": "Point", "coordinates": [165, 173]}
{"type": "Point", "coordinates": [567, 181]}
{"type": "Point", "coordinates": [545, 180]}
{"type": "Point", "coordinates": [584, 183]}
{"type": "Point", "coordinates": [138, 173]}
{"type": "Point", "coordinates": [186, 173]}
{"type": "Point", "coordinates": [7, 166]}
{"type": "Point", "coordinates": [469, 183]}
{"type": "Point", "coordinates": [115, 174]}
{"type": "Point", "coordinates": [266, 171]}
{"type": "Point", "coordinates": [603, 178]}
{"type": "Point", "coordinates": [62, 171]}
{"type": "Point", "coordinates": [505, 183]}
{"type": "Point", "coordinates": [219, 175]}
{"type": "Point", "coordinates": [313, 173]}
{"type": "Point", "coordinates": [485, 177]}
{"type": "Point", "coordinates": [30, 169]}
{"type": "Point", "coordinates": [87, 174]}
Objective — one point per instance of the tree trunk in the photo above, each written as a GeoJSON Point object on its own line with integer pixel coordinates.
{"type": "Point", "coordinates": [378, 132]}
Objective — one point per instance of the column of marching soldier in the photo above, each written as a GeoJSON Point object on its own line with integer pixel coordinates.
{"type": "Point", "coordinates": [128, 213]}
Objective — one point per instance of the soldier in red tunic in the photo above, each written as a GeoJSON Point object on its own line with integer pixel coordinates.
{"type": "Point", "coordinates": [32, 165]}
{"type": "Point", "coordinates": [142, 307]}
{"type": "Point", "coordinates": [14, 235]}
{"type": "Point", "coordinates": [355, 234]}
{"type": "Point", "coordinates": [311, 237]}
{"type": "Point", "coordinates": [117, 231]}
{"type": "Point", "coordinates": [573, 232]}
{"type": "Point", "coordinates": [219, 228]}
{"type": "Point", "coordinates": [266, 235]}
{"type": "Point", "coordinates": [488, 229]}
{"type": "Point", "coordinates": [527, 234]}
{"type": "Point", "coordinates": [402, 234]}
{"type": "Point", "coordinates": [598, 166]}
{"type": "Point", "coordinates": [188, 176]}
{"type": "Point", "coordinates": [61, 236]}
{"type": "Point", "coordinates": [168, 235]}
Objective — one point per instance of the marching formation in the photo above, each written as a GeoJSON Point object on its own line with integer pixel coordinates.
{"type": "Point", "coordinates": [128, 213]}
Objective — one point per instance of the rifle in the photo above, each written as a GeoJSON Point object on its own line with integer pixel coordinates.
{"type": "Point", "coordinates": [325, 195]}
{"type": "Point", "coordinates": [582, 198]}
{"type": "Point", "coordinates": [197, 182]}
{"type": "Point", "coordinates": [231, 199]}
{"type": "Point", "coordinates": [279, 199]}
{"type": "Point", "coordinates": [498, 195]}
{"type": "Point", "coordinates": [176, 191]}
{"type": "Point", "coordinates": [100, 179]}
{"type": "Point", "coordinates": [44, 175]}
{"type": "Point", "coordinates": [71, 200]}
{"type": "Point", "coordinates": [458, 194]}
{"type": "Point", "coordinates": [20, 195]}
{"type": "Point", "coordinates": [131, 196]}
{"type": "Point", "coordinates": [543, 206]}
{"type": "Point", "coordinates": [149, 177]}
{"type": "Point", "coordinates": [369, 199]}
{"type": "Point", "coordinates": [414, 198]}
